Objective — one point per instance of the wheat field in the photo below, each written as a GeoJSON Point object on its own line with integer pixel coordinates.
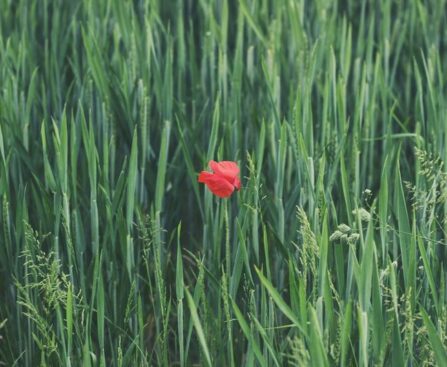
{"type": "Point", "coordinates": [332, 253]}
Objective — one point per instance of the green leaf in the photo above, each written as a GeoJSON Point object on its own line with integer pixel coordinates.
{"type": "Point", "coordinates": [285, 309]}
{"type": "Point", "coordinates": [198, 327]}
{"type": "Point", "coordinates": [435, 341]}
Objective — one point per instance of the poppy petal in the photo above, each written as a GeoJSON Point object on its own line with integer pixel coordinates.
{"type": "Point", "coordinates": [219, 186]}
{"type": "Point", "coordinates": [227, 169]}
{"type": "Point", "coordinates": [237, 183]}
{"type": "Point", "coordinates": [203, 176]}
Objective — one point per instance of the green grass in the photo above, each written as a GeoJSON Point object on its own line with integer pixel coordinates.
{"type": "Point", "coordinates": [334, 253]}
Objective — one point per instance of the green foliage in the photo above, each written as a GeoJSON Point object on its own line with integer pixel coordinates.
{"type": "Point", "coordinates": [332, 253]}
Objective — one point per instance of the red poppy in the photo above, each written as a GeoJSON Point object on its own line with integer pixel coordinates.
{"type": "Point", "coordinates": [223, 180]}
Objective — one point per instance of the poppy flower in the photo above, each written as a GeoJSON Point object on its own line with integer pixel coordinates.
{"type": "Point", "coordinates": [223, 180]}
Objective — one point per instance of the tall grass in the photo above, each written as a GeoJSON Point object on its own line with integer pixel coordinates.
{"type": "Point", "coordinates": [334, 251]}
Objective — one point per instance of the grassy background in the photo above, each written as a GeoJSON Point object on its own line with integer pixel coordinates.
{"type": "Point", "coordinates": [333, 253]}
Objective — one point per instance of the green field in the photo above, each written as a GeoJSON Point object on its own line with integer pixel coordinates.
{"type": "Point", "coordinates": [334, 251]}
